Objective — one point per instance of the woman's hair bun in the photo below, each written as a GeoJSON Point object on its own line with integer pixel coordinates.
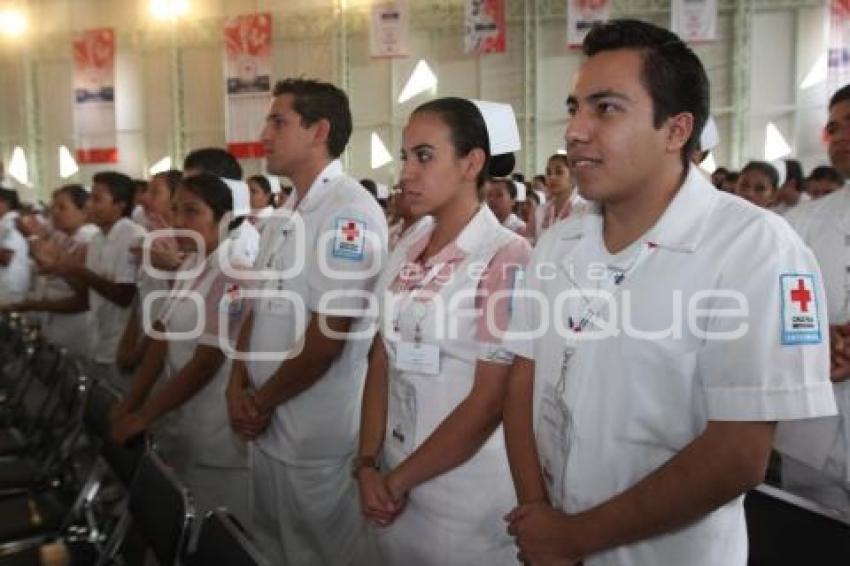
{"type": "Point", "coordinates": [501, 165]}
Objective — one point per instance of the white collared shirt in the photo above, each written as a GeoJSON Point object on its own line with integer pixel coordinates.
{"type": "Point", "coordinates": [335, 242]}
{"type": "Point", "coordinates": [14, 277]}
{"type": "Point", "coordinates": [825, 228]}
{"type": "Point", "coordinates": [637, 397]}
{"type": "Point", "coordinates": [109, 256]}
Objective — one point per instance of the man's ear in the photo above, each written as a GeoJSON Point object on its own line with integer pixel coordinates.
{"type": "Point", "coordinates": [679, 130]}
{"type": "Point", "coordinates": [322, 132]}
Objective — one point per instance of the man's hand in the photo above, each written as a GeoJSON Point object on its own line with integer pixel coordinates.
{"type": "Point", "coordinates": [245, 419]}
{"type": "Point", "coordinates": [543, 534]}
{"type": "Point", "coordinates": [28, 225]}
{"type": "Point", "coordinates": [376, 501]}
{"type": "Point", "coordinates": [128, 427]}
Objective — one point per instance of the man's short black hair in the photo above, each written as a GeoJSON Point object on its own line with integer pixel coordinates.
{"type": "Point", "coordinates": [841, 95]}
{"type": "Point", "coordinates": [672, 73]}
{"type": "Point", "coordinates": [316, 100]}
{"type": "Point", "coordinates": [120, 186]}
{"type": "Point", "coordinates": [826, 173]}
{"type": "Point", "coordinates": [215, 161]}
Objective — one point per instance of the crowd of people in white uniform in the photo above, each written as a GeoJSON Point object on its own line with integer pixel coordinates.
{"type": "Point", "coordinates": [591, 367]}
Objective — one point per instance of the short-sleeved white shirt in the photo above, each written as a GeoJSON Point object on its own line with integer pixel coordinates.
{"type": "Point", "coordinates": [14, 277]}
{"type": "Point", "coordinates": [638, 397]}
{"type": "Point", "coordinates": [64, 329]}
{"type": "Point", "coordinates": [338, 235]}
{"type": "Point", "coordinates": [109, 256]}
{"type": "Point", "coordinates": [825, 228]}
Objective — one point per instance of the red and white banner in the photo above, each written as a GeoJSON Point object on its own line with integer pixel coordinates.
{"type": "Point", "coordinates": [838, 66]}
{"type": "Point", "coordinates": [694, 20]}
{"type": "Point", "coordinates": [390, 29]}
{"type": "Point", "coordinates": [247, 73]}
{"type": "Point", "coordinates": [581, 15]}
{"type": "Point", "coordinates": [484, 27]}
{"type": "Point", "coordinates": [94, 96]}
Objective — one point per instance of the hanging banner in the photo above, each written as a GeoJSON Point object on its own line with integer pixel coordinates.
{"type": "Point", "coordinates": [838, 65]}
{"type": "Point", "coordinates": [694, 20]}
{"type": "Point", "coordinates": [389, 32]}
{"type": "Point", "coordinates": [247, 72]}
{"type": "Point", "coordinates": [581, 15]}
{"type": "Point", "coordinates": [94, 96]}
{"type": "Point", "coordinates": [484, 28]}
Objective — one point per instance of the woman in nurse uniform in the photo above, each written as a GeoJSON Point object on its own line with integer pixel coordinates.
{"type": "Point", "coordinates": [433, 396]}
{"type": "Point", "coordinates": [188, 410]}
{"type": "Point", "coordinates": [70, 235]}
{"type": "Point", "coordinates": [562, 199]}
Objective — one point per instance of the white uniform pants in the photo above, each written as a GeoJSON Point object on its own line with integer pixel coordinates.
{"type": "Point", "coordinates": [823, 487]}
{"type": "Point", "coordinates": [416, 539]}
{"type": "Point", "coordinates": [309, 516]}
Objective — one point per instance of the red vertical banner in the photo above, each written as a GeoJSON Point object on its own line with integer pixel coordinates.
{"type": "Point", "coordinates": [94, 96]}
{"type": "Point", "coordinates": [838, 61]}
{"type": "Point", "coordinates": [248, 67]}
{"type": "Point", "coordinates": [581, 15]}
{"type": "Point", "coordinates": [484, 28]}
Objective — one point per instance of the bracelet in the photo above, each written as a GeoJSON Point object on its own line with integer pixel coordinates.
{"type": "Point", "coordinates": [360, 462]}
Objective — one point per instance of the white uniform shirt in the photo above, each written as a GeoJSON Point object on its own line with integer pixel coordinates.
{"type": "Point", "coordinates": [14, 277]}
{"type": "Point", "coordinates": [826, 229]}
{"type": "Point", "coordinates": [192, 313]}
{"type": "Point", "coordinates": [515, 224]}
{"type": "Point", "coordinates": [622, 406]}
{"type": "Point", "coordinates": [64, 329]}
{"type": "Point", "coordinates": [109, 256]}
{"type": "Point", "coordinates": [458, 301]}
{"type": "Point", "coordinates": [338, 227]}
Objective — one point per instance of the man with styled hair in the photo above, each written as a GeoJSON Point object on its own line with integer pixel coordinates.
{"type": "Point", "coordinates": [635, 448]}
{"type": "Point", "coordinates": [303, 413]}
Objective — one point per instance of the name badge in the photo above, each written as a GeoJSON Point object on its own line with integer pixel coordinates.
{"type": "Point", "coordinates": [418, 358]}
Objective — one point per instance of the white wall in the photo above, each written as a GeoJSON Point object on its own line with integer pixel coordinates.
{"type": "Point", "coordinates": [784, 44]}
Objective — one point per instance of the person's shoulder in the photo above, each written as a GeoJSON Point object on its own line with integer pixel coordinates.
{"type": "Point", "coordinates": [349, 197]}
{"type": "Point", "coordinates": [754, 232]}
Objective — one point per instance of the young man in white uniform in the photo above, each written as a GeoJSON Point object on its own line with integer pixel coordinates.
{"type": "Point", "coordinates": [106, 283]}
{"type": "Point", "coordinates": [327, 243]}
{"type": "Point", "coordinates": [677, 325]}
{"type": "Point", "coordinates": [816, 454]}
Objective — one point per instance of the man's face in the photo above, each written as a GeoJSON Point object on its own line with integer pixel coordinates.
{"type": "Point", "coordinates": [104, 211]}
{"type": "Point", "coordinates": [838, 137]}
{"type": "Point", "coordinates": [285, 139]}
{"type": "Point", "coordinates": [614, 150]}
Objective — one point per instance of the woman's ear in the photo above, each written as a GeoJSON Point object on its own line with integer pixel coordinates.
{"type": "Point", "coordinates": [474, 161]}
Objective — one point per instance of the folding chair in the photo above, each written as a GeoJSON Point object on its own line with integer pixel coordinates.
{"type": "Point", "coordinates": [41, 465]}
{"type": "Point", "coordinates": [222, 540]}
{"type": "Point", "coordinates": [161, 510]}
{"type": "Point", "coordinates": [31, 514]}
{"type": "Point", "coordinates": [786, 529]}
{"type": "Point", "coordinates": [28, 417]}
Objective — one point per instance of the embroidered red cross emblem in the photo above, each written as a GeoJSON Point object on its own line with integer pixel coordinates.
{"type": "Point", "coordinates": [801, 295]}
{"type": "Point", "coordinates": [350, 231]}
{"type": "Point", "coordinates": [232, 290]}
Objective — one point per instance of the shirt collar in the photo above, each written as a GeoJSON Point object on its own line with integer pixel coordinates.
{"type": "Point", "coordinates": [482, 224]}
{"type": "Point", "coordinates": [316, 191]}
{"type": "Point", "coordinates": [113, 230]}
{"type": "Point", "coordinates": [682, 224]}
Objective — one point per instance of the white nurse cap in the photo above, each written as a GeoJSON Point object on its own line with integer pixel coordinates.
{"type": "Point", "coordinates": [710, 137]}
{"type": "Point", "coordinates": [274, 183]}
{"type": "Point", "coordinates": [501, 126]}
{"type": "Point", "coordinates": [241, 197]}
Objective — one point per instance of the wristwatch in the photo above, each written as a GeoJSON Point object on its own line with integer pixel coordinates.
{"type": "Point", "coordinates": [360, 462]}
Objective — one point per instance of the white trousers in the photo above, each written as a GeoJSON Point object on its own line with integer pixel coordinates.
{"type": "Point", "coordinates": [417, 539]}
{"type": "Point", "coordinates": [309, 516]}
